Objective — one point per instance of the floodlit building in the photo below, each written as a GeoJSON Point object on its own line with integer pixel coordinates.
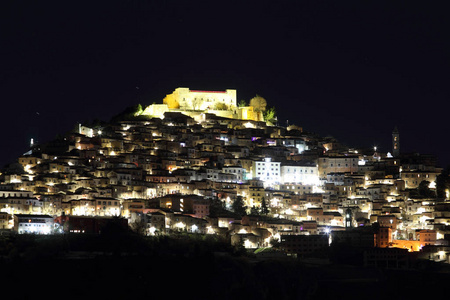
{"type": "Point", "coordinates": [267, 170]}
{"type": "Point", "coordinates": [187, 99]}
{"type": "Point", "coordinates": [33, 224]}
{"type": "Point", "coordinates": [303, 174]}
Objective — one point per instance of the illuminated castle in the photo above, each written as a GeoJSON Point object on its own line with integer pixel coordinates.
{"type": "Point", "coordinates": [196, 102]}
{"type": "Point", "coordinates": [186, 99]}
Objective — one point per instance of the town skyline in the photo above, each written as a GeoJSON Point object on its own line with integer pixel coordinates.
{"type": "Point", "coordinates": [197, 147]}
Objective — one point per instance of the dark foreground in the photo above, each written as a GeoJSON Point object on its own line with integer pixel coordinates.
{"type": "Point", "coordinates": [166, 268]}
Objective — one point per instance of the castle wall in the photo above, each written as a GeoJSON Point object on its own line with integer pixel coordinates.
{"type": "Point", "coordinates": [156, 110]}
{"type": "Point", "coordinates": [186, 99]}
{"type": "Point", "coordinates": [194, 102]}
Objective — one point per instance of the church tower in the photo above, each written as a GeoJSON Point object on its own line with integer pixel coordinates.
{"type": "Point", "coordinates": [395, 142]}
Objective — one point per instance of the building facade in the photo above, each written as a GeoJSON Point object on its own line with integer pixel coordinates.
{"type": "Point", "coordinates": [186, 99]}
{"type": "Point", "coordinates": [267, 170]}
{"type": "Point", "coordinates": [33, 224]}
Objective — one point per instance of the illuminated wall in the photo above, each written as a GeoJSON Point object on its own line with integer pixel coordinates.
{"type": "Point", "coordinates": [255, 196]}
{"type": "Point", "coordinates": [407, 244]}
{"type": "Point", "coordinates": [28, 161]}
{"type": "Point", "coordinates": [248, 113]}
{"type": "Point", "coordinates": [156, 110]}
{"type": "Point", "coordinates": [184, 98]}
{"type": "Point", "coordinates": [267, 171]}
{"type": "Point", "coordinates": [238, 171]}
{"type": "Point", "coordinates": [338, 164]}
{"type": "Point", "coordinates": [414, 178]}
{"type": "Point", "coordinates": [427, 237]}
{"type": "Point", "coordinates": [36, 224]}
{"type": "Point", "coordinates": [306, 175]}
{"type": "Point", "coordinates": [193, 102]}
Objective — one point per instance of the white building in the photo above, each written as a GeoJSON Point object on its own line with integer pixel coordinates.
{"type": "Point", "coordinates": [238, 171]}
{"type": "Point", "coordinates": [33, 224]}
{"type": "Point", "coordinates": [298, 174]}
{"type": "Point", "coordinates": [300, 144]}
{"type": "Point", "coordinates": [15, 193]}
{"type": "Point", "coordinates": [297, 188]}
{"type": "Point", "coordinates": [267, 170]}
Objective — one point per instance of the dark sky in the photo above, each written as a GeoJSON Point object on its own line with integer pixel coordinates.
{"type": "Point", "coordinates": [349, 69]}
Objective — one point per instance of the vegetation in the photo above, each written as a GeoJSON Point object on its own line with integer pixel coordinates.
{"type": "Point", "coordinates": [270, 115]}
{"type": "Point", "coordinates": [238, 206]}
{"type": "Point", "coordinates": [264, 207]}
{"type": "Point", "coordinates": [442, 183]}
{"type": "Point", "coordinates": [220, 106]}
{"type": "Point", "coordinates": [259, 103]}
{"type": "Point", "coordinates": [131, 113]}
{"type": "Point", "coordinates": [242, 103]}
{"type": "Point", "coordinates": [425, 191]}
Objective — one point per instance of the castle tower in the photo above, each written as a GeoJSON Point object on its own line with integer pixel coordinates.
{"type": "Point", "coordinates": [395, 142]}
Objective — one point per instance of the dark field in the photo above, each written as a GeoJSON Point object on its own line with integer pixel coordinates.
{"type": "Point", "coordinates": [196, 268]}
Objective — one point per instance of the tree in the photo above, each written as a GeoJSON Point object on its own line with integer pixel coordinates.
{"type": "Point", "coordinates": [254, 210]}
{"type": "Point", "coordinates": [442, 183]}
{"type": "Point", "coordinates": [242, 103]}
{"type": "Point", "coordinates": [220, 106]}
{"type": "Point", "coordinates": [139, 110]}
{"type": "Point", "coordinates": [14, 168]}
{"type": "Point", "coordinates": [275, 243]}
{"type": "Point", "coordinates": [376, 227]}
{"type": "Point", "coordinates": [259, 103]}
{"type": "Point", "coordinates": [269, 115]}
{"type": "Point", "coordinates": [130, 113]}
{"type": "Point", "coordinates": [264, 208]}
{"type": "Point", "coordinates": [424, 190]}
{"type": "Point", "coordinates": [217, 206]}
{"type": "Point", "coordinates": [197, 103]}
{"type": "Point", "coordinates": [238, 206]}
{"type": "Point", "coordinates": [140, 227]}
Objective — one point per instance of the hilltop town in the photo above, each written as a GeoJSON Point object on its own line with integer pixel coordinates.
{"type": "Point", "coordinates": [202, 163]}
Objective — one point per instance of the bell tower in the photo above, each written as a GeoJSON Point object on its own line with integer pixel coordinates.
{"type": "Point", "coordinates": [395, 142]}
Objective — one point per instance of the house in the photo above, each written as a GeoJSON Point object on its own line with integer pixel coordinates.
{"type": "Point", "coordinates": [107, 207]}
{"type": "Point", "coordinates": [356, 237]}
{"type": "Point", "coordinates": [188, 223]}
{"type": "Point", "coordinates": [156, 222]}
{"type": "Point", "coordinates": [383, 237]}
{"type": "Point", "coordinates": [33, 224]}
{"type": "Point", "coordinates": [4, 220]}
{"type": "Point", "coordinates": [87, 224]}
{"type": "Point", "coordinates": [392, 258]}
{"type": "Point", "coordinates": [303, 245]}
{"type": "Point", "coordinates": [267, 170]}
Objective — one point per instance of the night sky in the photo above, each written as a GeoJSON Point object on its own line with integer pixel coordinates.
{"type": "Point", "coordinates": [349, 69]}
